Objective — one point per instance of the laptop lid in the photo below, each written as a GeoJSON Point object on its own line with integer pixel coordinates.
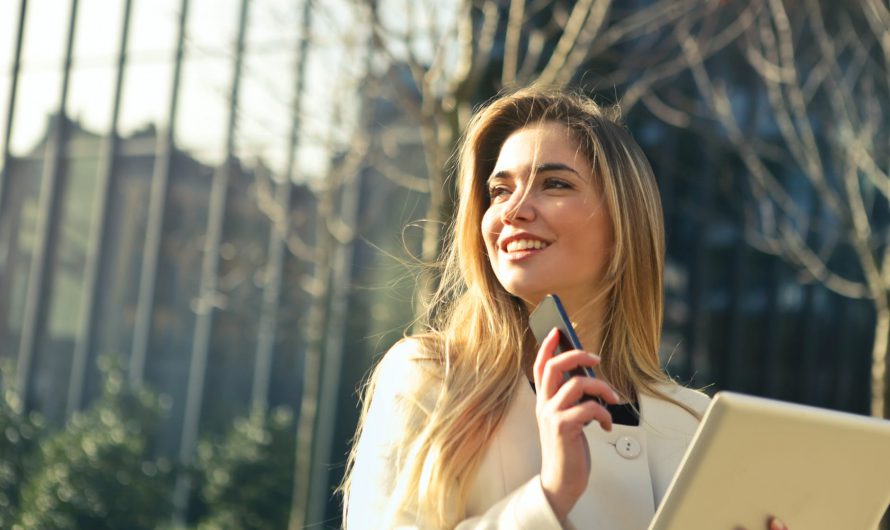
{"type": "Point", "coordinates": [753, 458]}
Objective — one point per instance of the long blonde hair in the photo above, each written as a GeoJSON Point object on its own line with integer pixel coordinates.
{"type": "Point", "coordinates": [478, 336]}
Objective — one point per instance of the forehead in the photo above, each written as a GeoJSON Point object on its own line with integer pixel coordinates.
{"type": "Point", "coordinates": [540, 143]}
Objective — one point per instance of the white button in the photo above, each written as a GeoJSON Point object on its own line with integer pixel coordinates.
{"type": "Point", "coordinates": [628, 447]}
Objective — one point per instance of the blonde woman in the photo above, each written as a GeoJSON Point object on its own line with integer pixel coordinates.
{"type": "Point", "coordinates": [472, 425]}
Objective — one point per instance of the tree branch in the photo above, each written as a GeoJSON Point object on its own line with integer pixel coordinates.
{"type": "Point", "coordinates": [515, 21]}
{"type": "Point", "coordinates": [570, 37]}
{"type": "Point", "coordinates": [719, 102]}
{"type": "Point", "coordinates": [798, 252]}
{"type": "Point", "coordinates": [581, 49]}
{"type": "Point", "coordinates": [395, 174]}
{"type": "Point", "coordinates": [668, 69]}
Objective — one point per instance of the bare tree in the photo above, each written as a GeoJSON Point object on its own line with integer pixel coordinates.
{"type": "Point", "coordinates": [824, 70]}
{"type": "Point", "coordinates": [458, 55]}
{"type": "Point", "coordinates": [325, 328]}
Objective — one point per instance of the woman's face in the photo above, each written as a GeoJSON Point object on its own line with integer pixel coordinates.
{"type": "Point", "coordinates": [551, 232]}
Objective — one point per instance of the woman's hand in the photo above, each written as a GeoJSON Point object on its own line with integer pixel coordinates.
{"type": "Point", "coordinates": [775, 523]}
{"type": "Point", "coordinates": [565, 458]}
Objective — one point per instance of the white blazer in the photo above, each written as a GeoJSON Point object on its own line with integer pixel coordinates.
{"type": "Point", "coordinates": [631, 466]}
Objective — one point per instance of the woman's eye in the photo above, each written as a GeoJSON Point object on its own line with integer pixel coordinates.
{"type": "Point", "coordinates": [495, 192]}
{"type": "Point", "coordinates": [556, 183]}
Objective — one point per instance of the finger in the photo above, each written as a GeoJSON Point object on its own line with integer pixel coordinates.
{"type": "Point", "coordinates": [572, 359]}
{"type": "Point", "coordinates": [555, 369]}
{"type": "Point", "coordinates": [545, 353]}
{"type": "Point", "coordinates": [576, 387]}
{"type": "Point", "coordinates": [586, 412]}
{"type": "Point", "coordinates": [776, 524]}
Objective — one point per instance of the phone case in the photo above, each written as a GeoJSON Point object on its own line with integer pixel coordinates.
{"type": "Point", "coordinates": [550, 314]}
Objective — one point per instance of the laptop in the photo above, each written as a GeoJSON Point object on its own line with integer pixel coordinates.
{"type": "Point", "coordinates": [753, 458]}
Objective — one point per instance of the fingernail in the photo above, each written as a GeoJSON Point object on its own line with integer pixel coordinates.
{"type": "Point", "coordinates": [594, 356]}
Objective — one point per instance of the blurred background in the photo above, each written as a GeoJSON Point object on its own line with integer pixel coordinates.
{"type": "Point", "coordinates": [212, 216]}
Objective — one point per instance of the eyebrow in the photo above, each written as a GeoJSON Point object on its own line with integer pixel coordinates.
{"type": "Point", "coordinates": [540, 168]}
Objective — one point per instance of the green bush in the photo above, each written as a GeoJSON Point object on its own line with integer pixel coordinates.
{"type": "Point", "coordinates": [19, 435]}
{"type": "Point", "coordinates": [98, 473]}
{"type": "Point", "coordinates": [246, 477]}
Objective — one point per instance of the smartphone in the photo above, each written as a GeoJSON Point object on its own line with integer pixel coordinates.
{"type": "Point", "coordinates": [550, 314]}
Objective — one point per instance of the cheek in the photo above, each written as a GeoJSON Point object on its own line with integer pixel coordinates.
{"type": "Point", "coordinates": [599, 244]}
{"type": "Point", "coordinates": [490, 228]}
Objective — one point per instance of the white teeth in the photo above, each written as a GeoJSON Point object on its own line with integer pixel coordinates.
{"type": "Point", "coordinates": [525, 244]}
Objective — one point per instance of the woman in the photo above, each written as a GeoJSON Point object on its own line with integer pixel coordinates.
{"type": "Point", "coordinates": [472, 425]}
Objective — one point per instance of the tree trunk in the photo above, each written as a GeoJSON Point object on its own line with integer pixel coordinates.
{"type": "Point", "coordinates": [433, 126]}
{"type": "Point", "coordinates": [879, 361]}
{"type": "Point", "coordinates": [312, 363]}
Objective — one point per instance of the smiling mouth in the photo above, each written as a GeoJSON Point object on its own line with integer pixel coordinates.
{"type": "Point", "coordinates": [525, 246]}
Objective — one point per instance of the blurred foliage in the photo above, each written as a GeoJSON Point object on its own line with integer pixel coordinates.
{"type": "Point", "coordinates": [19, 435]}
{"type": "Point", "coordinates": [246, 475]}
{"type": "Point", "coordinates": [98, 472]}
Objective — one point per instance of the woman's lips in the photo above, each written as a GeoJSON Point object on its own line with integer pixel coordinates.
{"type": "Point", "coordinates": [524, 244]}
{"type": "Point", "coordinates": [517, 255]}
{"type": "Point", "coordinates": [520, 247]}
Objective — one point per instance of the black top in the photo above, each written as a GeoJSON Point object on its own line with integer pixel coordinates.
{"type": "Point", "coordinates": [624, 413]}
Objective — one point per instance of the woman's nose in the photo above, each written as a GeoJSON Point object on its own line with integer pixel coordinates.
{"type": "Point", "coordinates": [522, 208]}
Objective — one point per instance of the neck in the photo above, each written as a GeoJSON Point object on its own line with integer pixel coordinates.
{"type": "Point", "coordinates": [588, 315]}
{"type": "Point", "coordinates": [589, 326]}
{"type": "Point", "coordinates": [588, 319]}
